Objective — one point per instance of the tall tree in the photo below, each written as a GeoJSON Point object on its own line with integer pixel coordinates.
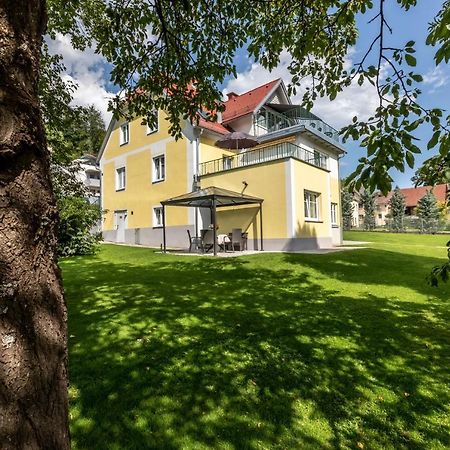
{"type": "Point", "coordinates": [347, 208]}
{"type": "Point", "coordinates": [33, 349]}
{"type": "Point", "coordinates": [368, 201]}
{"type": "Point", "coordinates": [397, 210]}
{"type": "Point", "coordinates": [188, 51]}
{"type": "Point", "coordinates": [78, 131]}
{"type": "Point", "coordinates": [428, 213]}
{"type": "Point", "coordinates": [87, 130]}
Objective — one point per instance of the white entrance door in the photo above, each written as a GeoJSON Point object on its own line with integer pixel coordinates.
{"type": "Point", "coordinates": [121, 224]}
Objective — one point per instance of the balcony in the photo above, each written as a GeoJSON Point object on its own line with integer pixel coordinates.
{"type": "Point", "coordinates": [275, 117]}
{"type": "Point", "coordinates": [262, 155]}
{"type": "Point", "coordinates": [92, 182]}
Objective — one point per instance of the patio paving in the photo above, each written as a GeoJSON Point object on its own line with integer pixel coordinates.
{"type": "Point", "coordinates": [257, 252]}
{"type": "Point", "coordinates": [185, 252]}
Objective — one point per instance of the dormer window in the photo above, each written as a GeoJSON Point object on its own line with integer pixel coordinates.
{"type": "Point", "coordinates": [124, 133]}
{"type": "Point", "coordinates": [153, 128]}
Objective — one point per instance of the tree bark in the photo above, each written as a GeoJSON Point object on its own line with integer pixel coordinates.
{"type": "Point", "coordinates": [33, 337]}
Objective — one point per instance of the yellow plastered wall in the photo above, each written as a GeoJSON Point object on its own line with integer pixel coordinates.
{"type": "Point", "coordinates": [138, 136]}
{"type": "Point", "coordinates": [264, 181]}
{"type": "Point", "coordinates": [141, 194]}
{"type": "Point", "coordinates": [315, 180]}
{"type": "Point", "coordinates": [209, 152]}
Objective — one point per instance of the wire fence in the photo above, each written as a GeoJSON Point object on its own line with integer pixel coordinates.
{"type": "Point", "coordinates": [413, 225]}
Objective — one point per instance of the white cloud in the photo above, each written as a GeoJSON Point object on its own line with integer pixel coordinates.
{"type": "Point", "coordinates": [353, 101]}
{"type": "Point", "coordinates": [86, 69]}
{"type": "Point", "coordinates": [437, 78]}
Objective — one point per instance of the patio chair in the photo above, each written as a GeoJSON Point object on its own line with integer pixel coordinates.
{"type": "Point", "coordinates": [236, 239]}
{"type": "Point", "coordinates": [194, 241]}
{"type": "Point", "coordinates": [208, 241]}
{"type": "Point", "coordinates": [224, 241]}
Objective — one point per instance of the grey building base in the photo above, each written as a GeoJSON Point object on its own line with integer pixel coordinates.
{"type": "Point", "coordinates": [176, 237]}
{"type": "Point", "coordinates": [291, 245]}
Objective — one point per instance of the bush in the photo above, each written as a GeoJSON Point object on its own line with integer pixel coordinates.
{"type": "Point", "coordinates": [77, 218]}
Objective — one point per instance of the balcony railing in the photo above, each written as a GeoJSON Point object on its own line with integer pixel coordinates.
{"type": "Point", "coordinates": [92, 182]}
{"type": "Point", "coordinates": [269, 121]}
{"type": "Point", "coordinates": [262, 155]}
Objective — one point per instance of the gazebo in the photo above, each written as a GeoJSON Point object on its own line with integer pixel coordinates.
{"type": "Point", "coordinates": [211, 197]}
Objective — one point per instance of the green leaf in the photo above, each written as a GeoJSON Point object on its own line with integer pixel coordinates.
{"type": "Point", "coordinates": [434, 140]}
{"type": "Point", "coordinates": [410, 159]}
{"type": "Point", "coordinates": [411, 60]}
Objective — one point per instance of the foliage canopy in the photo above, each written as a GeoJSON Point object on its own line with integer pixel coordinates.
{"type": "Point", "coordinates": [187, 49]}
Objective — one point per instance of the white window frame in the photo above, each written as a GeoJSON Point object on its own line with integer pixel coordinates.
{"type": "Point", "coordinates": [156, 158]}
{"type": "Point", "coordinates": [308, 195]}
{"type": "Point", "coordinates": [333, 213]}
{"type": "Point", "coordinates": [119, 186]}
{"type": "Point", "coordinates": [124, 133]}
{"type": "Point", "coordinates": [157, 218]}
{"type": "Point", "coordinates": [153, 130]}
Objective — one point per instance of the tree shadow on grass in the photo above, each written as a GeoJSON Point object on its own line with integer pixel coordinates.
{"type": "Point", "coordinates": [223, 354]}
{"type": "Point", "coordinates": [376, 267]}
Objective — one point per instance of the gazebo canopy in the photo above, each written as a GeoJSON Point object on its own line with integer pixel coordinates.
{"type": "Point", "coordinates": [206, 197]}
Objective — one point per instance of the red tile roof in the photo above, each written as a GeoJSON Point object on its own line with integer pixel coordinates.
{"type": "Point", "coordinates": [413, 195]}
{"type": "Point", "coordinates": [239, 105]}
{"type": "Point", "coordinates": [213, 126]}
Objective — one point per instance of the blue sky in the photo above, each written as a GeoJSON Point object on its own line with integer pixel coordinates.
{"type": "Point", "coordinates": [92, 75]}
{"type": "Point", "coordinates": [406, 25]}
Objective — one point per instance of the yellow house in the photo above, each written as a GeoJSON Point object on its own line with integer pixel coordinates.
{"type": "Point", "coordinates": [294, 170]}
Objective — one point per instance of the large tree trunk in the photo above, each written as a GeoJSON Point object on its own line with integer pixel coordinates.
{"type": "Point", "coordinates": [33, 355]}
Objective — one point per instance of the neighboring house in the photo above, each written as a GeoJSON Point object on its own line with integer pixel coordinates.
{"type": "Point", "coordinates": [412, 196]}
{"type": "Point", "coordinates": [89, 175]}
{"type": "Point", "coordinates": [382, 209]}
{"type": "Point", "coordinates": [294, 169]}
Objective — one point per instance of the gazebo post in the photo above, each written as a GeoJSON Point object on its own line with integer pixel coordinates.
{"type": "Point", "coordinates": [261, 225]}
{"type": "Point", "coordinates": [164, 227]}
{"type": "Point", "coordinates": [213, 210]}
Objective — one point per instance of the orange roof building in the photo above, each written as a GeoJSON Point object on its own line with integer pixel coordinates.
{"type": "Point", "coordinates": [293, 169]}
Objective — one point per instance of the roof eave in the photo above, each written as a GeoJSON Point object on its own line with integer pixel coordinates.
{"type": "Point", "coordinates": [106, 139]}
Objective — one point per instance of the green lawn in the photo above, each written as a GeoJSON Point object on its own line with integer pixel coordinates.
{"type": "Point", "coordinates": [273, 351]}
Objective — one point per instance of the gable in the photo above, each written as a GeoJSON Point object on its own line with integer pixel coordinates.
{"type": "Point", "coordinates": [240, 105]}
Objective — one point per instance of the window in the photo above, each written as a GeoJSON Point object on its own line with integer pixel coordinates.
{"type": "Point", "coordinates": [312, 205]}
{"type": "Point", "coordinates": [334, 214]}
{"type": "Point", "coordinates": [159, 168]}
{"type": "Point", "coordinates": [153, 129]}
{"type": "Point", "coordinates": [157, 217]}
{"type": "Point", "coordinates": [120, 179]}
{"type": "Point", "coordinates": [124, 133]}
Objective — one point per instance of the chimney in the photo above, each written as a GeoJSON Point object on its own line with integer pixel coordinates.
{"type": "Point", "coordinates": [232, 95]}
